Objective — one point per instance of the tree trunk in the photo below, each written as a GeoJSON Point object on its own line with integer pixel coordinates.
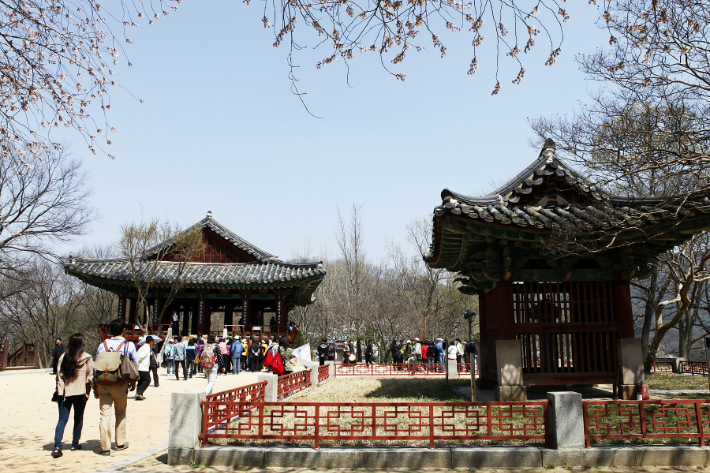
{"type": "Point", "coordinates": [648, 312]}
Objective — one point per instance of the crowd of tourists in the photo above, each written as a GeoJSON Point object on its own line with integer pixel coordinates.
{"type": "Point", "coordinates": [414, 351]}
{"type": "Point", "coordinates": [120, 368]}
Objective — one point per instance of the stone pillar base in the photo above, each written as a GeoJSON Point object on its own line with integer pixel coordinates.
{"type": "Point", "coordinates": [511, 393]}
{"type": "Point", "coordinates": [628, 391]}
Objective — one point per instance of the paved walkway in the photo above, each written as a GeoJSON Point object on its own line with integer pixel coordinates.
{"type": "Point", "coordinates": [29, 419]}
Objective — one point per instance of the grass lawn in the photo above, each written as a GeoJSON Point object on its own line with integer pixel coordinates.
{"type": "Point", "coordinates": [357, 421]}
{"type": "Point", "coordinates": [676, 381]}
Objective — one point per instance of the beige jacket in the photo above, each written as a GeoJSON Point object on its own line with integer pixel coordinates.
{"type": "Point", "coordinates": [82, 377]}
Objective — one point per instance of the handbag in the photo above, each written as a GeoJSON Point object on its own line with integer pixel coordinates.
{"type": "Point", "coordinates": [55, 396]}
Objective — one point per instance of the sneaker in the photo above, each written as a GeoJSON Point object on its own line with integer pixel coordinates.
{"type": "Point", "coordinates": [106, 453]}
{"type": "Point", "coordinates": [57, 453]}
{"type": "Point", "coordinates": [75, 447]}
{"type": "Point", "coordinates": [121, 447]}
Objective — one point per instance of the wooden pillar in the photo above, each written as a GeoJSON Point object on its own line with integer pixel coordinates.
{"type": "Point", "coordinates": [208, 315]}
{"type": "Point", "coordinates": [187, 308]}
{"type": "Point", "coordinates": [622, 307]}
{"type": "Point", "coordinates": [201, 315]}
{"type": "Point", "coordinates": [245, 309]}
{"type": "Point", "coordinates": [229, 313]}
{"type": "Point", "coordinates": [35, 353]}
{"type": "Point", "coordinates": [132, 307]}
{"type": "Point", "coordinates": [279, 310]}
{"type": "Point", "coordinates": [483, 344]}
{"type": "Point", "coordinates": [122, 306]}
{"type": "Point", "coordinates": [504, 310]}
{"type": "Point", "coordinates": [157, 307]}
{"type": "Point", "coordinates": [4, 355]}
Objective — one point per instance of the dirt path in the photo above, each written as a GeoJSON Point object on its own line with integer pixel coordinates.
{"type": "Point", "coordinates": [29, 419]}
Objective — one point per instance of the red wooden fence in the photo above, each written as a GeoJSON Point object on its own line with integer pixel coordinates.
{"type": "Point", "coordinates": [427, 421]}
{"type": "Point", "coordinates": [391, 369]}
{"type": "Point", "coordinates": [669, 418]}
{"type": "Point", "coordinates": [221, 408]}
{"type": "Point", "coordinates": [323, 373]}
{"type": "Point", "coordinates": [464, 369]}
{"type": "Point", "coordinates": [694, 367]}
{"type": "Point", "coordinates": [662, 366]}
{"type": "Point", "coordinates": [293, 382]}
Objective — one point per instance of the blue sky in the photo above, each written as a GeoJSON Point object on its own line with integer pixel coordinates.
{"type": "Point", "coordinates": [221, 131]}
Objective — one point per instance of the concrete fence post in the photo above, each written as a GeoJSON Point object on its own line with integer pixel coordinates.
{"type": "Point", "coordinates": [314, 375]}
{"type": "Point", "coordinates": [185, 425]}
{"type": "Point", "coordinates": [331, 369]}
{"type": "Point", "coordinates": [566, 420]}
{"type": "Point", "coordinates": [271, 391]}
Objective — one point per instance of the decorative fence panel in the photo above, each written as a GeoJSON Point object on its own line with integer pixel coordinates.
{"type": "Point", "coordinates": [323, 373]}
{"type": "Point", "coordinates": [670, 418]}
{"type": "Point", "coordinates": [464, 369]}
{"type": "Point", "coordinates": [294, 382]}
{"type": "Point", "coordinates": [427, 421]}
{"type": "Point", "coordinates": [220, 408]}
{"type": "Point", "coordinates": [391, 369]}
{"type": "Point", "coordinates": [694, 367]}
{"type": "Point", "coordinates": [662, 366]}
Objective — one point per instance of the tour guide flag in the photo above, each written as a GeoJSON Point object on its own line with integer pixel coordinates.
{"type": "Point", "coordinates": [303, 355]}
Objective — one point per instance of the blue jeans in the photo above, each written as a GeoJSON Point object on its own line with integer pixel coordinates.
{"type": "Point", "coordinates": [170, 365]}
{"type": "Point", "coordinates": [237, 365]}
{"type": "Point", "coordinates": [65, 404]}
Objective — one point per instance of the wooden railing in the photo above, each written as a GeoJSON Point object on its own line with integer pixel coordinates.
{"type": "Point", "coordinates": [694, 367]}
{"type": "Point", "coordinates": [223, 407]}
{"type": "Point", "coordinates": [391, 369]}
{"type": "Point", "coordinates": [662, 419]}
{"type": "Point", "coordinates": [465, 369]}
{"type": "Point", "coordinates": [26, 356]}
{"type": "Point", "coordinates": [332, 421]}
{"type": "Point", "coordinates": [323, 373]}
{"type": "Point", "coordinates": [293, 382]}
{"type": "Point", "coordinates": [663, 366]}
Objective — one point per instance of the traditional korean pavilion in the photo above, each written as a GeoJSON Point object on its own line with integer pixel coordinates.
{"type": "Point", "coordinates": [251, 290]}
{"type": "Point", "coordinates": [568, 312]}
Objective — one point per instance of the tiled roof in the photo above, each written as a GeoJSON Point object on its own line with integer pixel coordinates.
{"type": "Point", "coordinates": [231, 237]}
{"type": "Point", "coordinates": [210, 274]}
{"type": "Point", "coordinates": [592, 211]}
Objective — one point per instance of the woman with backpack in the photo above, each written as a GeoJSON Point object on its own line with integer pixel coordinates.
{"type": "Point", "coordinates": [210, 361]}
{"type": "Point", "coordinates": [74, 374]}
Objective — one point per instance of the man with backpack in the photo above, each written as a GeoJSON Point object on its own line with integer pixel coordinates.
{"type": "Point", "coordinates": [110, 392]}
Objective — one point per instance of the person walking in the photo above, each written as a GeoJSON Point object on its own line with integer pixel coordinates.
{"type": "Point", "coordinates": [245, 353]}
{"type": "Point", "coordinates": [368, 352]}
{"type": "Point", "coordinates": [254, 356]}
{"type": "Point", "coordinates": [114, 395]}
{"type": "Point", "coordinates": [76, 370]}
{"type": "Point", "coordinates": [154, 364]}
{"type": "Point", "coordinates": [212, 352]}
{"type": "Point", "coordinates": [190, 356]}
{"type": "Point", "coordinates": [236, 351]}
{"type": "Point", "coordinates": [346, 353]}
{"type": "Point", "coordinates": [425, 353]}
{"type": "Point", "coordinates": [332, 350]}
{"type": "Point", "coordinates": [286, 355]}
{"type": "Point", "coordinates": [179, 353]}
{"type": "Point", "coordinates": [459, 351]}
{"type": "Point", "coordinates": [224, 349]}
{"type": "Point", "coordinates": [323, 351]}
{"type": "Point", "coordinates": [175, 323]}
{"type": "Point", "coordinates": [144, 353]}
{"type": "Point", "coordinates": [56, 354]}
{"type": "Point", "coordinates": [169, 354]}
